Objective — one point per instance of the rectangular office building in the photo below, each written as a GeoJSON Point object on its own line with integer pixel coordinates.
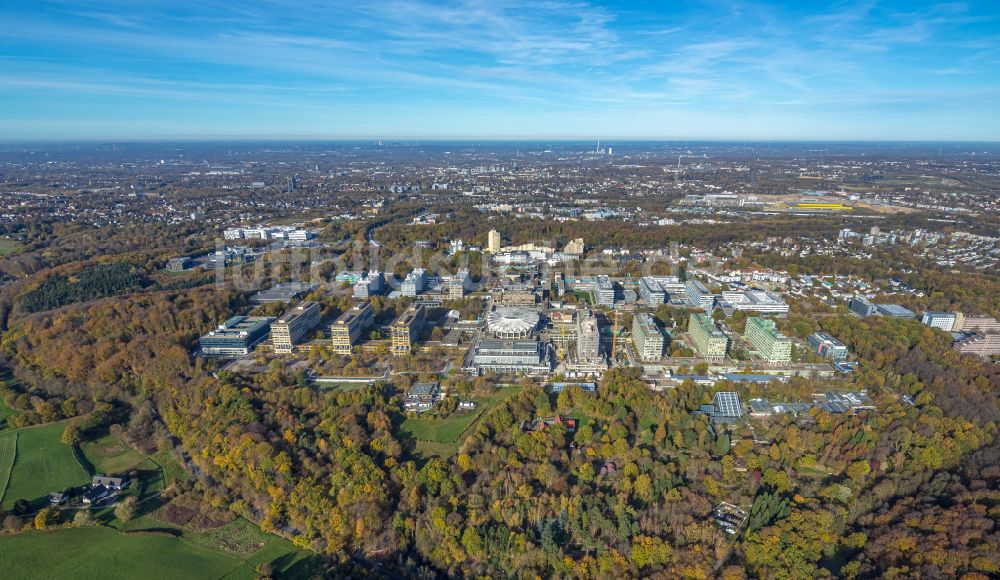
{"type": "Point", "coordinates": [895, 311]}
{"type": "Point", "coordinates": [772, 345]}
{"type": "Point", "coordinates": [236, 336]}
{"type": "Point", "coordinates": [288, 330]}
{"type": "Point", "coordinates": [943, 320]}
{"type": "Point", "coordinates": [407, 328]}
{"type": "Point", "coordinates": [414, 283]}
{"type": "Point", "coordinates": [652, 292]}
{"type": "Point", "coordinates": [371, 285]}
{"type": "Point", "coordinates": [648, 338]}
{"type": "Point", "coordinates": [862, 307]}
{"type": "Point", "coordinates": [756, 301]}
{"type": "Point", "coordinates": [977, 323]}
{"type": "Point", "coordinates": [588, 339]}
{"type": "Point", "coordinates": [530, 357]}
{"type": "Point", "coordinates": [347, 330]}
{"type": "Point", "coordinates": [825, 345]}
{"type": "Point", "coordinates": [698, 295]}
{"type": "Point", "coordinates": [981, 345]}
{"type": "Point", "coordinates": [458, 285]}
{"type": "Point", "coordinates": [604, 291]}
{"type": "Point", "coordinates": [709, 342]}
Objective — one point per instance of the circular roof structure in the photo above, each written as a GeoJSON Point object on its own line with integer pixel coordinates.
{"type": "Point", "coordinates": [512, 321]}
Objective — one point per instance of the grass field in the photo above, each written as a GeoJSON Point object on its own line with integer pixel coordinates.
{"type": "Point", "coordinates": [439, 430]}
{"type": "Point", "coordinates": [43, 465]}
{"type": "Point", "coordinates": [232, 551]}
{"type": "Point", "coordinates": [442, 437]}
{"type": "Point", "coordinates": [8, 246]}
{"type": "Point", "coordinates": [99, 552]}
{"type": "Point", "coordinates": [109, 455]}
{"type": "Point", "coordinates": [171, 466]}
{"type": "Point", "coordinates": [8, 451]}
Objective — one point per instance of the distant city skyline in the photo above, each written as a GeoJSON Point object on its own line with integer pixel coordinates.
{"type": "Point", "coordinates": [505, 69]}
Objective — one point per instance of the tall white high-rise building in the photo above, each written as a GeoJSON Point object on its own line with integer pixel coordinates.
{"type": "Point", "coordinates": [493, 242]}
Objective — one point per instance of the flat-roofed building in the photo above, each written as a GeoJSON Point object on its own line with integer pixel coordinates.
{"type": "Point", "coordinates": [604, 291]}
{"type": "Point", "coordinates": [458, 285]}
{"type": "Point", "coordinates": [862, 307]}
{"type": "Point", "coordinates": [825, 345]}
{"type": "Point", "coordinates": [493, 241]}
{"type": "Point", "coordinates": [756, 301]}
{"type": "Point", "coordinates": [518, 298]}
{"type": "Point", "coordinates": [588, 338]}
{"type": "Point", "coordinates": [943, 320]}
{"type": "Point", "coordinates": [977, 323]}
{"type": "Point", "coordinates": [709, 342]}
{"type": "Point", "coordinates": [652, 292]}
{"type": "Point", "coordinates": [371, 285]}
{"type": "Point", "coordinates": [895, 311]}
{"type": "Point", "coordinates": [407, 328]}
{"type": "Point", "coordinates": [282, 292]}
{"type": "Point", "coordinates": [980, 344]}
{"type": "Point", "coordinates": [236, 336]}
{"type": "Point", "coordinates": [648, 338]}
{"type": "Point", "coordinates": [414, 283]}
{"type": "Point", "coordinates": [772, 345]}
{"type": "Point", "coordinates": [530, 357]}
{"type": "Point", "coordinates": [698, 295]}
{"type": "Point", "coordinates": [574, 247]}
{"type": "Point", "coordinates": [347, 330]}
{"type": "Point", "coordinates": [288, 330]}
{"type": "Point", "coordinates": [421, 397]}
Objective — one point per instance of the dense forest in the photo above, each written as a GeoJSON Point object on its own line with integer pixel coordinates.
{"type": "Point", "coordinates": [97, 282]}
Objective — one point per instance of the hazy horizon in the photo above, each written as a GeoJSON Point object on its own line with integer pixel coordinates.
{"type": "Point", "coordinates": [504, 70]}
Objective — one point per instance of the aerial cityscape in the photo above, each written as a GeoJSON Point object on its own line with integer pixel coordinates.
{"type": "Point", "coordinates": [423, 296]}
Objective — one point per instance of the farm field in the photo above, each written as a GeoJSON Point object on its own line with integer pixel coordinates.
{"type": "Point", "coordinates": [42, 465]}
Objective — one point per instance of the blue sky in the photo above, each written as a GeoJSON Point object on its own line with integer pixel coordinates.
{"type": "Point", "coordinates": [117, 69]}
